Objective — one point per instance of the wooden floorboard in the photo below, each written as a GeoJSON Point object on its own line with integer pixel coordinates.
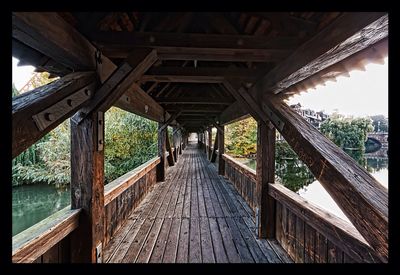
{"type": "Point", "coordinates": [194, 216]}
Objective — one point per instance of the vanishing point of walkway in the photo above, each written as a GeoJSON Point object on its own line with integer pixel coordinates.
{"type": "Point", "coordinates": [195, 216]}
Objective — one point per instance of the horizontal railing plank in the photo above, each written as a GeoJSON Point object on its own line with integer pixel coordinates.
{"type": "Point", "coordinates": [338, 231]}
{"type": "Point", "coordinates": [33, 242]}
{"type": "Point", "coordinates": [119, 185]}
{"type": "Point", "coordinates": [240, 166]}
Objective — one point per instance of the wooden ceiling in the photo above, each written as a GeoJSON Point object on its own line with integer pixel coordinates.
{"type": "Point", "coordinates": [196, 52]}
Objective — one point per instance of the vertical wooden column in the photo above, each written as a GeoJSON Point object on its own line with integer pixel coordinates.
{"type": "Point", "coordinates": [170, 157]}
{"type": "Point", "coordinates": [221, 151]}
{"type": "Point", "coordinates": [87, 186]}
{"type": "Point", "coordinates": [162, 138]}
{"type": "Point", "coordinates": [214, 152]}
{"type": "Point", "coordinates": [265, 173]}
{"type": "Point", "coordinates": [209, 143]}
{"type": "Point", "coordinates": [205, 142]}
{"type": "Point", "coordinates": [180, 142]}
{"type": "Point", "coordinates": [175, 142]}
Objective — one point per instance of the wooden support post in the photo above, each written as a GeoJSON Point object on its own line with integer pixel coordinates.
{"type": "Point", "coordinates": [170, 157]}
{"type": "Point", "coordinates": [87, 186]}
{"type": "Point", "coordinates": [265, 174]}
{"type": "Point", "coordinates": [209, 142]}
{"type": "Point", "coordinates": [175, 143]}
{"type": "Point", "coordinates": [214, 153]}
{"type": "Point", "coordinates": [180, 142]}
{"type": "Point", "coordinates": [205, 142]}
{"type": "Point", "coordinates": [221, 150]}
{"type": "Point", "coordinates": [160, 171]}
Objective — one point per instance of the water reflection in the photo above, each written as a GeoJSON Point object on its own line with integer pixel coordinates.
{"type": "Point", "coordinates": [296, 176]}
{"type": "Point", "coordinates": [33, 203]}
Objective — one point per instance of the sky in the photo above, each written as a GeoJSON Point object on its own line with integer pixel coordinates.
{"type": "Point", "coordinates": [364, 93]}
{"type": "Point", "coordinates": [21, 75]}
{"type": "Point", "coordinates": [361, 94]}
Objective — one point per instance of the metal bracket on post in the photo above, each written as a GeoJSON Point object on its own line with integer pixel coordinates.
{"type": "Point", "coordinates": [273, 117]}
{"type": "Point", "coordinates": [100, 132]}
{"type": "Point", "coordinates": [46, 117]}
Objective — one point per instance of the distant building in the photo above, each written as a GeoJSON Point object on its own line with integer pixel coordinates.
{"type": "Point", "coordinates": [315, 118]}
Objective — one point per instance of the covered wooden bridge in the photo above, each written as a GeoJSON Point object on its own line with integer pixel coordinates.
{"type": "Point", "coordinates": [195, 71]}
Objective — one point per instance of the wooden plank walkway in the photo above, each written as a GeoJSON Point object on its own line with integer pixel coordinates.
{"type": "Point", "coordinates": [195, 216]}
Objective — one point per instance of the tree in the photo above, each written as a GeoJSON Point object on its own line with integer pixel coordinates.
{"type": "Point", "coordinates": [241, 137]}
{"type": "Point", "coordinates": [347, 132]}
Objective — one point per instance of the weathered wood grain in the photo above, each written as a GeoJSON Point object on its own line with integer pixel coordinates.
{"type": "Point", "coordinates": [35, 241]}
{"type": "Point", "coordinates": [339, 232]}
{"type": "Point", "coordinates": [119, 81]}
{"type": "Point", "coordinates": [87, 186]}
{"type": "Point", "coordinates": [50, 34]}
{"type": "Point", "coordinates": [119, 185]}
{"type": "Point", "coordinates": [162, 136]}
{"type": "Point", "coordinates": [25, 131]}
{"type": "Point", "coordinates": [265, 174]}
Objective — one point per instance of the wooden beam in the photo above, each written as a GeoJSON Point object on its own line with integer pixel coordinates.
{"type": "Point", "coordinates": [348, 34]}
{"type": "Point", "coordinates": [191, 100]}
{"type": "Point", "coordinates": [173, 117]}
{"type": "Point", "coordinates": [241, 95]}
{"type": "Point", "coordinates": [234, 112]}
{"type": "Point", "coordinates": [220, 23]}
{"type": "Point", "coordinates": [162, 139]}
{"type": "Point", "coordinates": [221, 151]}
{"type": "Point", "coordinates": [214, 152]}
{"type": "Point", "coordinates": [30, 56]}
{"type": "Point", "coordinates": [136, 101]}
{"type": "Point", "coordinates": [265, 174]}
{"type": "Point", "coordinates": [48, 33]}
{"type": "Point", "coordinates": [245, 74]}
{"type": "Point", "coordinates": [170, 157]}
{"type": "Point", "coordinates": [120, 81]}
{"type": "Point", "coordinates": [149, 90]}
{"type": "Point", "coordinates": [359, 195]}
{"type": "Point", "coordinates": [87, 186]}
{"type": "Point", "coordinates": [183, 78]}
{"type": "Point", "coordinates": [122, 43]}
{"type": "Point", "coordinates": [306, 54]}
{"type": "Point", "coordinates": [373, 54]}
{"type": "Point", "coordinates": [215, 54]}
{"type": "Point", "coordinates": [39, 111]}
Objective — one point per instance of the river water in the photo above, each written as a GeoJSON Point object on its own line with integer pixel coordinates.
{"type": "Point", "coordinates": [33, 203]}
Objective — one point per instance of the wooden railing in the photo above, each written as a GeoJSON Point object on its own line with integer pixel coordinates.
{"type": "Point", "coordinates": [48, 240]}
{"type": "Point", "coordinates": [123, 195]}
{"type": "Point", "coordinates": [306, 231]}
{"type": "Point", "coordinates": [311, 234]}
{"type": "Point", "coordinates": [243, 178]}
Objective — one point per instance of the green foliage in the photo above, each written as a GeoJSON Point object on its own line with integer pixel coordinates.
{"type": "Point", "coordinates": [241, 137]}
{"type": "Point", "coordinates": [347, 132]}
{"type": "Point", "coordinates": [380, 123]}
{"type": "Point", "coordinates": [130, 140]}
